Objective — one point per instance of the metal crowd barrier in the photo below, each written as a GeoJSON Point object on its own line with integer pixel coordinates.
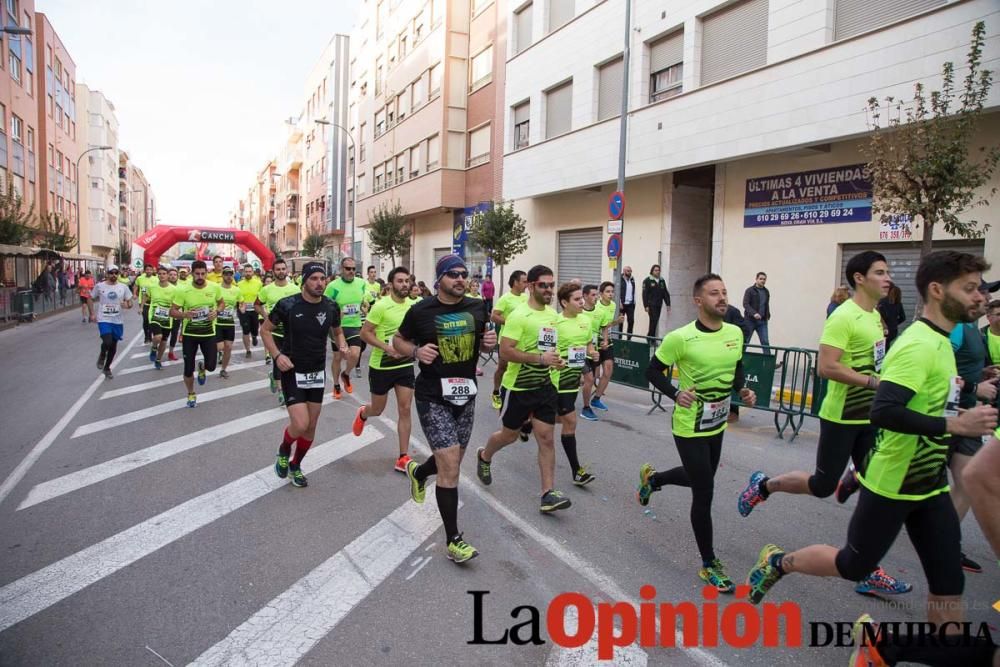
{"type": "Point", "coordinates": [632, 353]}
{"type": "Point", "coordinates": [24, 304]}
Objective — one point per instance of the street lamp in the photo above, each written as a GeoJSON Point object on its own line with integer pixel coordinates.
{"type": "Point", "coordinates": [14, 30]}
{"type": "Point", "coordinates": [354, 174]}
{"type": "Point", "coordinates": [89, 150]}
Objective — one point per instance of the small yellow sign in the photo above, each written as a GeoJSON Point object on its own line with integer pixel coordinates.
{"type": "Point", "coordinates": [612, 264]}
{"type": "Point", "coordinates": [996, 605]}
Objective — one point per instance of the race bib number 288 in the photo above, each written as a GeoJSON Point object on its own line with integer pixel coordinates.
{"type": "Point", "coordinates": [458, 390]}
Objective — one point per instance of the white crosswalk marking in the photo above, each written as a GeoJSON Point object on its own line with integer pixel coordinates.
{"type": "Point", "coordinates": [288, 626]}
{"type": "Point", "coordinates": [173, 379]}
{"type": "Point", "coordinates": [40, 590]}
{"type": "Point", "coordinates": [143, 369]}
{"type": "Point", "coordinates": [237, 347]}
{"type": "Point", "coordinates": [164, 408]}
{"type": "Point", "coordinates": [625, 656]}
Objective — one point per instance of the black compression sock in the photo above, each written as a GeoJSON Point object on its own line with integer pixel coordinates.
{"type": "Point", "coordinates": [426, 469]}
{"type": "Point", "coordinates": [569, 446]}
{"type": "Point", "coordinates": [762, 488]}
{"type": "Point", "coordinates": [447, 500]}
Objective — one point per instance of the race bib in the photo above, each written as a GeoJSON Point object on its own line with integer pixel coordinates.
{"type": "Point", "coordinates": [714, 415]}
{"type": "Point", "coordinates": [161, 312]}
{"type": "Point", "coordinates": [248, 307]}
{"type": "Point", "coordinates": [111, 309]}
{"type": "Point", "coordinates": [226, 314]}
{"type": "Point", "coordinates": [457, 390]}
{"type": "Point", "coordinates": [954, 395]}
{"type": "Point", "coordinates": [879, 354]}
{"type": "Point", "coordinates": [316, 380]}
{"type": "Point", "coordinates": [351, 309]}
{"type": "Point", "coordinates": [576, 356]}
{"type": "Point", "coordinates": [548, 339]}
{"type": "Point", "coordinates": [200, 314]}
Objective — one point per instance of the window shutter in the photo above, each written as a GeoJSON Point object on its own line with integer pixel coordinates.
{"type": "Point", "coordinates": [521, 113]}
{"type": "Point", "coordinates": [666, 52]}
{"type": "Point", "coordinates": [560, 12]}
{"type": "Point", "coordinates": [853, 17]}
{"type": "Point", "coordinates": [558, 109]}
{"type": "Point", "coordinates": [734, 40]}
{"type": "Point", "coordinates": [479, 142]}
{"type": "Point", "coordinates": [522, 29]}
{"type": "Point", "coordinates": [609, 96]}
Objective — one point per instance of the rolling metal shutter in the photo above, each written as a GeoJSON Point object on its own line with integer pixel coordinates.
{"type": "Point", "coordinates": [580, 253]}
{"type": "Point", "coordinates": [853, 17]}
{"type": "Point", "coordinates": [559, 110]}
{"type": "Point", "coordinates": [666, 52]}
{"type": "Point", "coordinates": [734, 40]}
{"type": "Point", "coordinates": [560, 12]}
{"type": "Point", "coordinates": [903, 259]}
{"type": "Point", "coordinates": [522, 29]}
{"type": "Point", "coordinates": [609, 94]}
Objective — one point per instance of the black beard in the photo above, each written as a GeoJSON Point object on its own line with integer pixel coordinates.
{"type": "Point", "coordinates": [955, 311]}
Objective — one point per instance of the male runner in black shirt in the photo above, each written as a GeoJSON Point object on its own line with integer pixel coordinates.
{"type": "Point", "coordinates": [309, 318]}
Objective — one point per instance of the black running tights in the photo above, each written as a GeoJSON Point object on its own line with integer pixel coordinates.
{"type": "Point", "coordinates": [108, 346]}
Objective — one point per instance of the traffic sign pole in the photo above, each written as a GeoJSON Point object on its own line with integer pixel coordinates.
{"type": "Point", "coordinates": [622, 138]}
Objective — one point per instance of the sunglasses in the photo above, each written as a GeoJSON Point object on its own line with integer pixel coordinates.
{"type": "Point", "coordinates": [541, 285]}
{"type": "Point", "coordinates": [349, 268]}
{"type": "Point", "coordinates": [113, 272]}
{"type": "Point", "coordinates": [455, 275]}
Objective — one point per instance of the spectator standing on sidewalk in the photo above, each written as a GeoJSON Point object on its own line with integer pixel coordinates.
{"type": "Point", "coordinates": [489, 291]}
{"type": "Point", "coordinates": [840, 295]}
{"type": "Point", "coordinates": [757, 309]}
{"type": "Point", "coordinates": [890, 307]}
{"type": "Point", "coordinates": [654, 297]}
{"type": "Point", "coordinates": [626, 299]}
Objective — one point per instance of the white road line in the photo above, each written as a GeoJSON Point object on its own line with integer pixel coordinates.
{"type": "Point", "coordinates": [123, 464]}
{"type": "Point", "coordinates": [163, 408]}
{"type": "Point", "coordinates": [147, 367]}
{"type": "Point", "coordinates": [40, 590]}
{"type": "Point", "coordinates": [173, 379]}
{"type": "Point", "coordinates": [31, 457]}
{"type": "Point", "coordinates": [288, 627]}
{"type": "Point", "coordinates": [236, 346]}
{"type": "Point", "coordinates": [625, 656]}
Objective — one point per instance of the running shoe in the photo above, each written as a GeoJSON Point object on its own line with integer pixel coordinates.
{"type": "Point", "coordinates": [715, 575]}
{"type": "Point", "coordinates": [281, 397]}
{"type": "Point", "coordinates": [588, 414]}
{"type": "Point", "coordinates": [157, 365]}
{"type": "Point", "coordinates": [171, 356]}
{"type": "Point", "coordinates": [401, 463]}
{"type": "Point", "coordinates": [357, 373]}
{"type": "Point", "coordinates": [483, 471]}
{"type": "Point", "coordinates": [348, 387]}
{"type": "Point", "coordinates": [192, 400]}
{"type": "Point", "coordinates": [152, 354]}
{"type": "Point", "coordinates": [879, 584]}
{"type": "Point", "coordinates": [460, 551]}
{"type": "Point", "coordinates": [101, 358]}
{"type": "Point", "coordinates": [201, 372]}
{"type": "Point", "coordinates": [847, 485]}
{"type": "Point", "coordinates": [84, 320]}
{"type": "Point", "coordinates": [865, 654]}
{"type": "Point", "coordinates": [272, 384]}
{"type": "Point", "coordinates": [254, 339]}
{"type": "Point", "coordinates": [970, 565]}
{"type": "Point", "coordinates": [224, 374]}
{"type": "Point", "coordinates": [359, 426]}
{"type": "Point", "coordinates": [281, 466]}
{"type": "Point", "coordinates": [267, 359]}
{"type": "Point", "coordinates": [596, 402]}
{"type": "Point", "coordinates": [763, 575]}
{"type": "Point", "coordinates": [298, 479]}
{"type": "Point", "coordinates": [524, 435]}
{"type": "Point", "coordinates": [645, 489]}
{"type": "Point", "coordinates": [553, 500]}
{"type": "Point", "coordinates": [218, 358]}
{"type": "Point", "coordinates": [496, 401]}
{"type": "Point", "coordinates": [108, 375]}
{"type": "Point", "coordinates": [751, 496]}
{"type": "Point", "coordinates": [582, 478]}
{"type": "Point", "coordinates": [246, 355]}
{"type": "Point", "coordinates": [336, 392]}
{"type": "Point", "coordinates": [417, 491]}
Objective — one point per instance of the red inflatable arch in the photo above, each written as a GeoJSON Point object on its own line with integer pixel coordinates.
{"type": "Point", "coordinates": [147, 248]}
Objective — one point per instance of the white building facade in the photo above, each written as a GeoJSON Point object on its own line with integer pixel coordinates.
{"type": "Point", "coordinates": [726, 100]}
{"type": "Point", "coordinates": [99, 182]}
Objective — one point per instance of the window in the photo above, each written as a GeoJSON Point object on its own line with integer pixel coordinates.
{"type": "Point", "coordinates": [433, 152]}
{"type": "Point", "coordinates": [435, 79]}
{"type": "Point", "coordinates": [609, 90]}
{"type": "Point", "coordinates": [400, 167]}
{"type": "Point", "coordinates": [482, 68]}
{"type": "Point", "coordinates": [418, 27]}
{"type": "Point", "coordinates": [379, 171]}
{"type": "Point", "coordinates": [380, 14]}
{"type": "Point", "coordinates": [390, 114]}
{"type": "Point", "coordinates": [479, 4]}
{"type": "Point", "coordinates": [3, 119]}
{"type": "Point", "coordinates": [30, 139]}
{"type": "Point", "coordinates": [379, 122]}
{"type": "Point", "coordinates": [419, 92]}
{"type": "Point", "coordinates": [378, 75]}
{"type": "Point", "coordinates": [560, 12]}
{"type": "Point", "coordinates": [391, 53]}
{"type": "Point", "coordinates": [16, 128]}
{"type": "Point", "coordinates": [14, 57]}
{"type": "Point", "coordinates": [558, 110]}
{"type": "Point", "coordinates": [402, 46]}
{"type": "Point", "coordinates": [415, 161]}
{"type": "Point", "coordinates": [402, 105]}
{"type": "Point", "coordinates": [522, 28]}
{"type": "Point", "coordinates": [479, 145]}
{"type": "Point", "coordinates": [522, 125]}
{"type": "Point", "coordinates": [666, 67]}
{"type": "Point", "coordinates": [734, 40]}
{"type": "Point", "coordinates": [361, 184]}
{"type": "Point", "coordinates": [854, 17]}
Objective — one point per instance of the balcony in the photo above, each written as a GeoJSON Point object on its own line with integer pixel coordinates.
{"type": "Point", "coordinates": [291, 159]}
{"type": "Point", "coordinates": [430, 192]}
{"type": "Point", "coordinates": [122, 174]}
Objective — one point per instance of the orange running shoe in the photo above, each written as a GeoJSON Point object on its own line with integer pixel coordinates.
{"type": "Point", "coordinates": [336, 392]}
{"type": "Point", "coordinates": [402, 462]}
{"type": "Point", "coordinates": [348, 387]}
{"type": "Point", "coordinates": [359, 425]}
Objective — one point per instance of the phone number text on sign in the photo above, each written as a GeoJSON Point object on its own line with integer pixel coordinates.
{"type": "Point", "coordinates": [838, 194]}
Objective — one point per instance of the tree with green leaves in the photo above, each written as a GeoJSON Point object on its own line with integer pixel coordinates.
{"type": "Point", "coordinates": [501, 233]}
{"type": "Point", "coordinates": [312, 245]}
{"type": "Point", "coordinates": [15, 218]}
{"type": "Point", "coordinates": [920, 158]}
{"type": "Point", "coordinates": [123, 253]}
{"type": "Point", "coordinates": [388, 231]}
{"type": "Point", "coordinates": [54, 233]}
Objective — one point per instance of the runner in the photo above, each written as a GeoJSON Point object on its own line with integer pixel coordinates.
{"type": "Point", "coordinates": [851, 351]}
{"type": "Point", "coordinates": [111, 296]}
{"type": "Point", "coordinates": [198, 306]}
{"type": "Point", "coordinates": [445, 334]}
{"type": "Point", "coordinates": [373, 288]}
{"type": "Point", "coordinates": [140, 291]}
{"type": "Point", "coordinates": [504, 307]}
{"type": "Point", "coordinates": [387, 369]}
{"type": "Point", "coordinates": [992, 331]}
{"type": "Point", "coordinates": [225, 325]}
{"type": "Point", "coordinates": [349, 293]}
{"type": "Point", "coordinates": [530, 345]}
{"type": "Point", "coordinates": [576, 348]}
{"type": "Point", "coordinates": [307, 319]}
{"type": "Point", "coordinates": [905, 478]}
{"type": "Point", "coordinates": [591, 296]}
{"type": "Point", "coordinates": [161, 297]}
{"type": "Point", "coordinates": [85, 287]}
{"type": "Point", "coordinates": [215, 275]}
{"type": "Point", "coordinates": [708, 355]}
{"type": "Point", "coordinates": [184, 278]}
{"type": "Point", "coordinates": [605, 312]}
{"type": "Point", "coordinates": [415, 295]}
{"type": "Point", "coordinates": [174, 280]}
{"type": "Point", "coordinates": [982, 483]}
{"type": "Point", "coordinates": [270, 294]}
{"type": "Point", "coordinates": [250, 286]}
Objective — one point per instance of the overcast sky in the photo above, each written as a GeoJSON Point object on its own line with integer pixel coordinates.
{"type": "Point", "coordinates": [201, 87]}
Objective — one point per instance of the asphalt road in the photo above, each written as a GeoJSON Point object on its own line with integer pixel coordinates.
{"type": "Point", "coordinates": [134, 531]}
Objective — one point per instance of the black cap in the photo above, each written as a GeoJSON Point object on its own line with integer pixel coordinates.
{"type": "Point", "coordinates": [986, 286]}
{"type": "Point", "coordinates": [311, 268]}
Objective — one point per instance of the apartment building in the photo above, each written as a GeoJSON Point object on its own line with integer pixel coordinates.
{"type": "Point", "coordinates": [425, 76]}
{"type": "Point", "coordinates": [55, 85]}
{"type": "Point", "coordinates": [138, 202]}
{"type": "Point", "coordinates": [18, 104]}
{"type": "Point", "coordinates": [728, 102]}
{"type": "Point", "coordinates": [287, 210]}
{"type": "Point", "coordinates": [99, 187]}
